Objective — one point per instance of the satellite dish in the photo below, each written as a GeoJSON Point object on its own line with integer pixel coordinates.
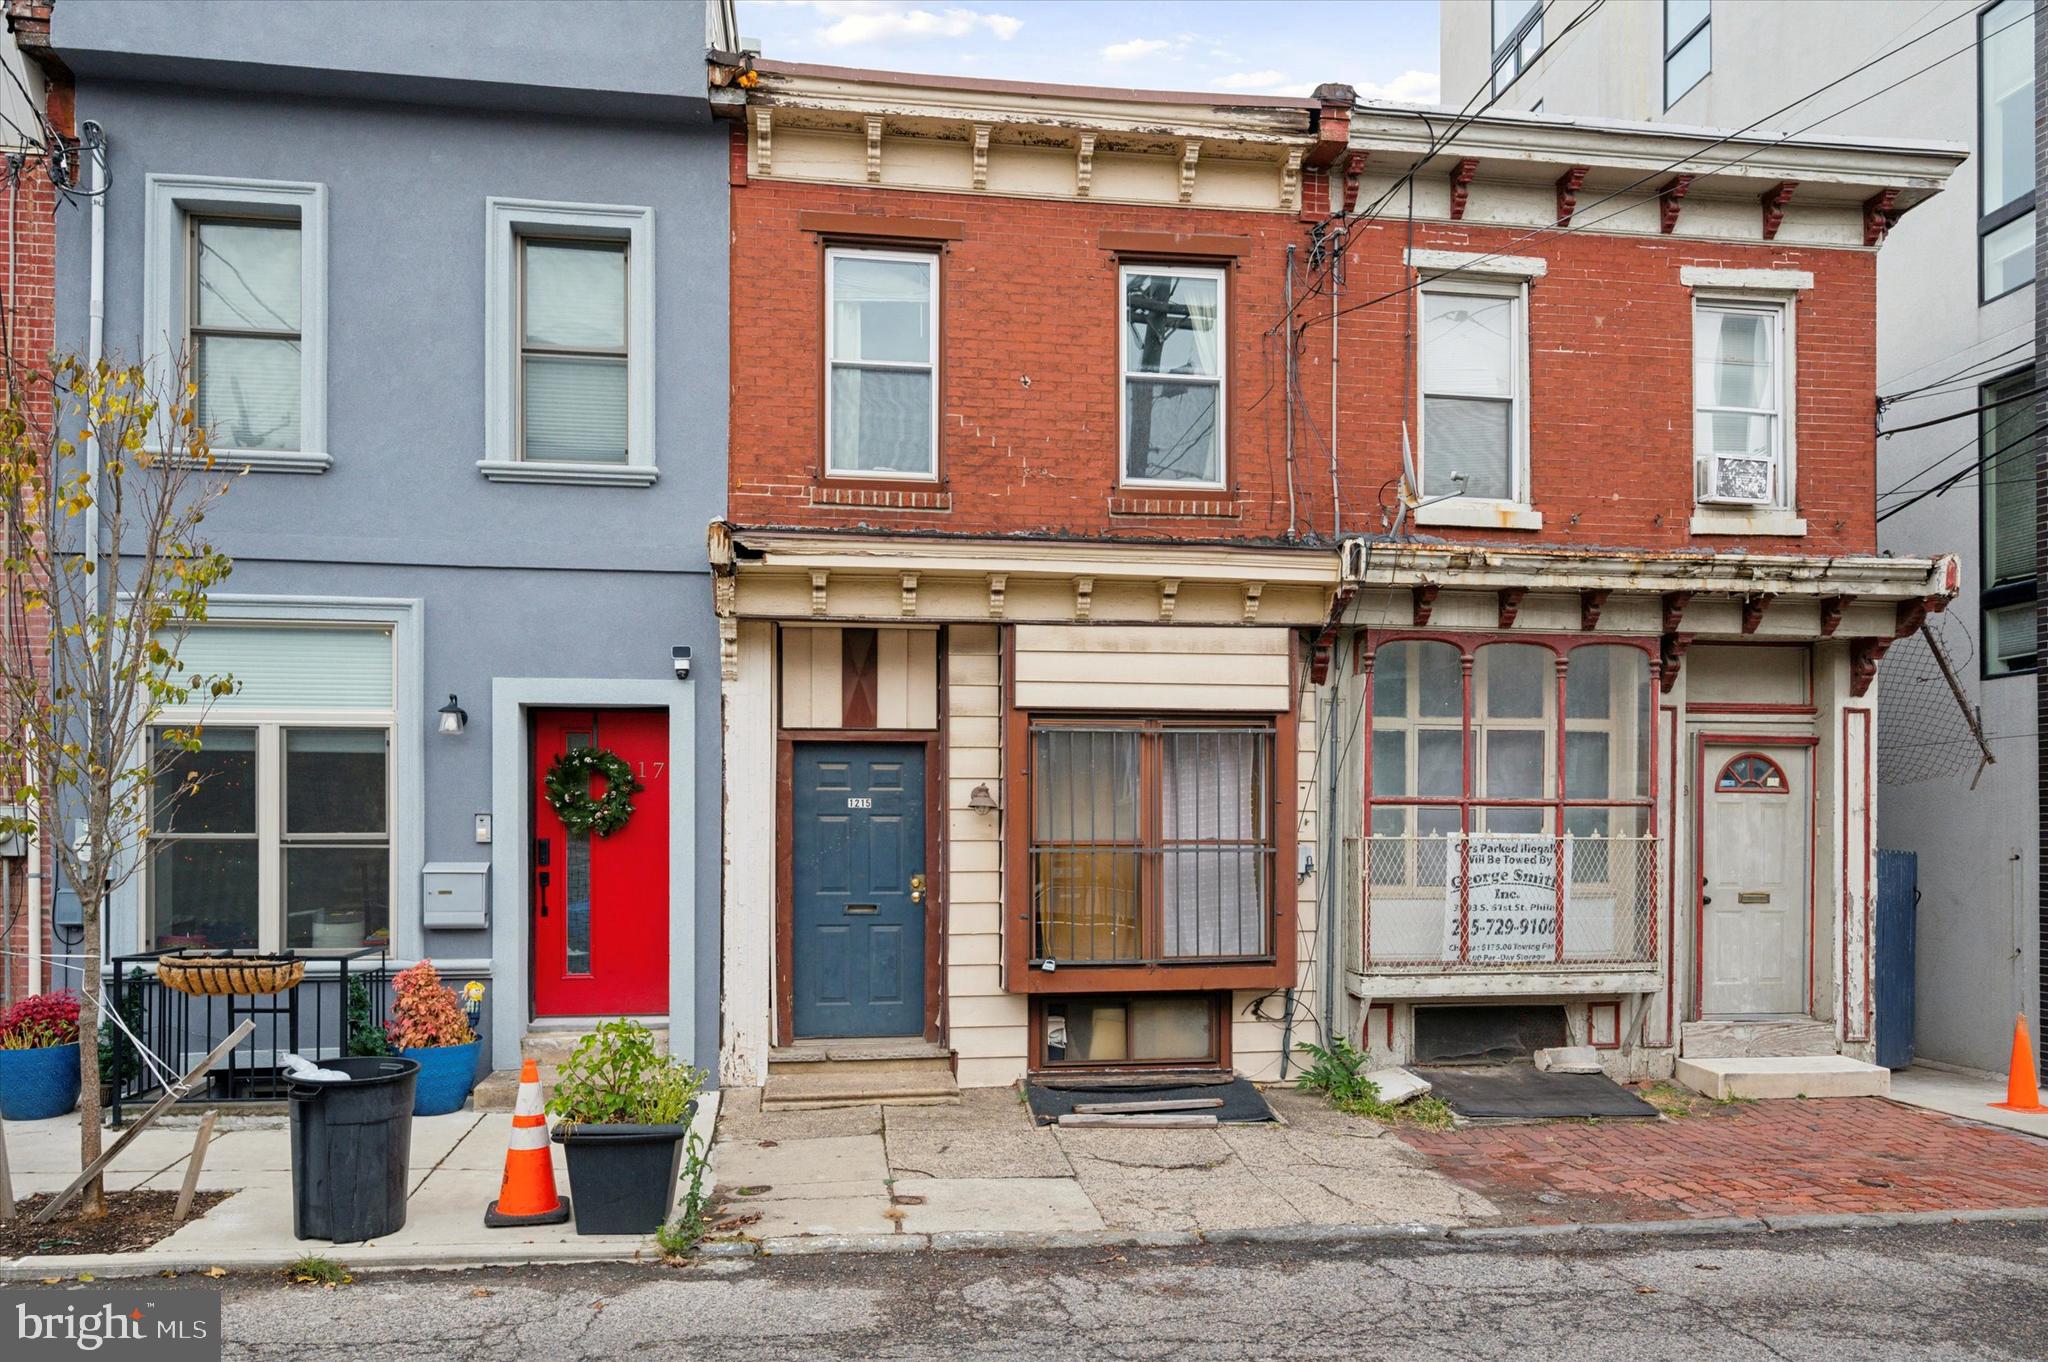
{"type": "Point", "coordinates": [1411, 486]}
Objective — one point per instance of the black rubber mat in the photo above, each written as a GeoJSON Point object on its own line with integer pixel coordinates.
{"type": "Point", "coordinates": [1241, 1101]}
{"type": "Point", "coordinates": [1518, 1090]}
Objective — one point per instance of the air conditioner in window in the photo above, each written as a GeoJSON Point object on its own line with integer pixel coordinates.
{"type": "Point", "coordinates": [1730, 480]}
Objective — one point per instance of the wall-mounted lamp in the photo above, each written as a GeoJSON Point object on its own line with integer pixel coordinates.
{"type": "Point", "coordinates": [981, 799]}
{"type": "Point", "coordinates": [453, 720]}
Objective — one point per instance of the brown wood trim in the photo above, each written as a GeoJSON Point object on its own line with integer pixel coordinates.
{"type": "Point", "coordinates": [1179, 245]}
{"type": "Point", "coordinates": [860, 680]}
{"type": "Point", "coordinates": [1226, 397]}
{"type": "Point", "coordinates": [880, 226]}
{"type": "Point", "coordinates": [821, 377]}
{"type": "Point", "coordinates": [1016, 822]}
{"type": "Point", "coordinates": [785, 864]}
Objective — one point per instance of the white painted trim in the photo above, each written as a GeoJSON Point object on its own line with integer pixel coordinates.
{"type": "Point", "coordinates": [748, 936]}
{"type": "Point", "coordinates": [1745, 281]}
{"type": "Point", "coordinates": [170, 198]}
{"type": "Point", "coordinates": [1479, 513]}
{"type": "Point", "coordinates": [1783, 307]}
{"type": "Point", "coordinates": [578, 474]}
{"type": "Point", "coordinates": [1125, 375]}
{"type": "Point", "coordinates": [1517, 292]}
{"type": "Point", "coordinates": [1735, 520]}
{"type": "Point", "coordinates": [512, 840]}
{"type": "Point", "coordinates": [505, 220]}
{"type": "Point", "coordinates": [1476, 262]}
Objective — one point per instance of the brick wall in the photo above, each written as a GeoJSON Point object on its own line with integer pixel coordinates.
{"type": "Point", "coordinates": [1029, 387]}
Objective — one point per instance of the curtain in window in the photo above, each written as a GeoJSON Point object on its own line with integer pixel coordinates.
{"type": "Point", "coordinates": [1213, 833]}
{"type": "Point", "coordinates": [281, 666]}
{"type": "Point", "coordinates": [1468, 395]}
{"type": "Point", "coordinates": [1736, 382]}
{"type": "Point", "coordinates": [1086, 828]}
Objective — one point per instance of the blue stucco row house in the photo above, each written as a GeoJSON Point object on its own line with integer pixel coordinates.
{"type": "Point", "coordinates": [452, 278]}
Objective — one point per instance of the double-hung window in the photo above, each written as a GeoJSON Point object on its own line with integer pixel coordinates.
{"type": "Point", "coordinates": [1474, 430]}
{"type": "Point", "coordinates": [1688, 46]}
{"type": "Point", "coordinates": [243, 320]}
{"type": "Point", "coordinates": [1739, 401]}
{"type": "Point", "coordinates": [1151, 841]}
{"type": "Point", "coordinates": [573, 350]}
{"type": "Point", "coordinates": [2005, 155]}
{"type": "Point", "coordinates": [1517, 39]}
{"type": "Point", "coordinates": [881, 346]}
{"type": "Point", "coordinates": [277, 831]}
{"type": "Point", "coordinates": [2007, 454]}
{"type": "Point", "coordinates": [1173, 376]}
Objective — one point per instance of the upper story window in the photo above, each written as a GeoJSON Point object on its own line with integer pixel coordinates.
{"type": "Point", "coordinates": [1517, 39]}
{"type": "Point", "coordinates": [881, 344]}
{"type": "Point", "coordinates": [2005, 158]}
{"type": "Point", "coordinates": [2006, 455]}
{"type": "Point", "coordinates": [569, 357]}
{"type": "Point", "coordinates": [243, 319]}
{"type": "Point", "coordinates": [1173, 375]}
{"type": "Point", "coordinates": [1474, 429]}
{"type": "Point", "coordinates": [573, 350]}
{"type": "Point", "coordinates": [1739, 399]}
{"type": "Point", "coordinates": [1688, 46]}
{"type": "Point", "coordinates": [235, 275]}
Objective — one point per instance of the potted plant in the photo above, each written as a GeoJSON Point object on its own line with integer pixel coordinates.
{"type": "Point", "coordinates": [39, 1057]}
{"type": "Point", "coordinates": [429, 1024]}
{"type": "Point", "coordinates": [119, 1060]}
{"type": "Point", "coordinates": [622, 1111]}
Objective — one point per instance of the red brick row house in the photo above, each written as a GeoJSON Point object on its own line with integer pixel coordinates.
{"type": "Point", "coordinates": [1202, 575]}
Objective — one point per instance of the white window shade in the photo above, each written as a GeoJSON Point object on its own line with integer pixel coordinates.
{"type": "Point", "coordinates": [289, 667]}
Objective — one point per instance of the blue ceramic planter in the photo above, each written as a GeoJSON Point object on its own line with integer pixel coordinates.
{"type": "Point", "coordinates": [38, 1084]}
{"type": "Point", "coordinates": [447, 1073]}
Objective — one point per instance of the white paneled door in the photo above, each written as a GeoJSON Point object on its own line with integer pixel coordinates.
{"type": "Point", "coordinates": [1757, 827]}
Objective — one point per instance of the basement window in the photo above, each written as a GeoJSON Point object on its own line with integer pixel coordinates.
{"type": "Point", "coordinates": [1180, 1030]}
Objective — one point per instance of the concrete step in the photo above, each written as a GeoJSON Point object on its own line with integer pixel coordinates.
{"type": "Point", "coordinates": [1785, 1076]}
{"type": "Point", "coordinates": [1748, 1039]}
{"type": "Point", "coordinates": [553, 1044]}
{"type": "Point", "coordinates": [500, 1088]}
{"type": "Point", "coordinates": [824, 1081]}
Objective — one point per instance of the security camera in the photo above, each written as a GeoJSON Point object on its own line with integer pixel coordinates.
{"type": "Point", "coordinates": [680, 655]}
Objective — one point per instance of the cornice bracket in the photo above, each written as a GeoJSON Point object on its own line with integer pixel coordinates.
{"type": "Point", "coordinates": [1354, 170]}
{"type": "Point", "coordinates": [909, 593]}
{"type": "Point", "coordinates": [1084, 597]}
{"type": "Point", "coordinates": [1568, 193]}
{"type": "Point", "coordinates": [1864, 655]}
{"type": "Point", "coordinates": [1252, 592]}
{"type": "Point", "coordinates": [819, 576]}
{"type": "Point", "coordinates": [1669, 198]}
{"type": "Point", "coordinates": [1461, 185]}
{"type": "Point", "coordinates": [1831, 608]}
{"type": "Point", "coordinates": [1879, 217]}
{"type": "Point", "coordinates": [981, 132]}
{"type": "Point", "coordinates": [1774, 200]}
{"type": "Point", "coordinates": [1425, 602]}
{"type": "Point", "coordinates": [1190, 153]}
{"type": "Point", "coordinates": [1169, 598]}
{"type": "Point", "coordinates": [1290, 182]}
{"type": "Point", "coordinates": [998, 583]}
{"type": "Point", "coordinates": [1511, 604]}
{"type": "Point", "coordinates": [1591, 602]}
{"type": "Point", "coordinates": [1674, 609]}
{"type": "Point", "coordinates": [874, 149]}
{"type": "Point", "coordinates": [1753, 607]}
{"type": "Point", "coordinates": [764, 138]}
{"type": "Point", "coordinates": [1671, 652]}
{"type": "Point", "coordinates": [1084, 165]}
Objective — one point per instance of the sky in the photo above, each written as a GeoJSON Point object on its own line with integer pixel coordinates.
{"type": "Point", "coordinates": [1387, 49]}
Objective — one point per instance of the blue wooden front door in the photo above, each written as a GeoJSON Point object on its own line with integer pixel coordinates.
{"type": "Point", "coordinates": [858, 920]}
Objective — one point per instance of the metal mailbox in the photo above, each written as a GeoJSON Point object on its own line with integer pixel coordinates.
{"type": "Point", "coordinates": [456, 895]}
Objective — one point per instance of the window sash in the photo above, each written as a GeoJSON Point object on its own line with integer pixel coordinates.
{"type": "Point", "coordinates": [284, 398]}
{"type": "Point", "coordinates": [1429, 385]}
{"type": "Point", "coordinates": [835, 465]}
{"type": "Point", "coordinates": [1217, 381]}
{"type": "Point", "coordinates": [1707, 460]}
{"type": "Point", "coordinates": [1126, 884]}
{"type": "Point", "coordinates": [561, 357]}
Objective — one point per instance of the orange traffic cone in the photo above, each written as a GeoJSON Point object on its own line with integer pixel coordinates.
{"type": "Point", "coordinates": [527, 1195]}
{"type": "Point", "coordinates": [2022, 1089]}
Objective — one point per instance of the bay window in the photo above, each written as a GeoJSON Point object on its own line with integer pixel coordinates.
{"type": "Point", "coordinates": [1150, 841]}
{"type": "Point", "coordinates": [881, 345]}
{"type": "Point", "coordinates": [1739, 400]}
{"type": "Point", "coordinates": [1510, 801]}
{"type": "Point", "coordinates": [1173, 375]}
{"type": "Point", "coordinates": [275, 832]}
{"type": "Point", "coordinates": [1474, 430]}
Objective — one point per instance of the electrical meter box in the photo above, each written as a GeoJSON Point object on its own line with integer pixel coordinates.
{"type": "Point", "coordinates": [456, 895]}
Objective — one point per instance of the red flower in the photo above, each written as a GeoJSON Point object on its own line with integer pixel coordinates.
{"type": "Point", "coordinates": [41, 1021]}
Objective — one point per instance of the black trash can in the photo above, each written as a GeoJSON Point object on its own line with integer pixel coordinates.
{"type": "Point", "coordinates": [351, 1143]}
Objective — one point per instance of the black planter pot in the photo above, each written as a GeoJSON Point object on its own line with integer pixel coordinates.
{"type": "Point", "coordinates": [622, 1179]}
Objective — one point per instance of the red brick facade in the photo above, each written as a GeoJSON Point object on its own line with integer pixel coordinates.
{"type": "Point", "coordinates": [1029, 317]}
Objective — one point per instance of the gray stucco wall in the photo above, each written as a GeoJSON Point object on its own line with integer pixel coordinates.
{"type": "Point", "coordinates": [515, 580]}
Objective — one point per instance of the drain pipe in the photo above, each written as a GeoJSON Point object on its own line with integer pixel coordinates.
{"type": "Point", "coordinates": [96, 319]}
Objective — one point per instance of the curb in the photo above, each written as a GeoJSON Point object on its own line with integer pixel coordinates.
{"type": "Point", "coordinates": [450, 1257]}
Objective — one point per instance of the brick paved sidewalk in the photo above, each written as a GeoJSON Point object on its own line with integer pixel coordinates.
{"type": "Point", "coordinates": [1794, 1157]}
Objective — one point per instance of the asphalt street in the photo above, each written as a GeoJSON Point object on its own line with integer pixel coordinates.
{"type": "Point", "coordinates": [1978, 1292]}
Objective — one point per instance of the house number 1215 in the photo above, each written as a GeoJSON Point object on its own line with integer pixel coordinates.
{"type": "Point", "coordinates": [859, 802]}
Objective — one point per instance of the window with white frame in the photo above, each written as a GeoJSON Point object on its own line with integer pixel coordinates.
{"type": "Point", "coordinates": [275, 830]}
{"type": "Point", "coordinates": [569, 364]}
{"type": "Point", "coordinates": [1173, 375]}
{"type": "Point", "coordinates": [2005, 80]}
{"type": "Point", "coordinates": [1739, 401]}
{"type": "Point", "coordinates": [1473, 436]}
{"type": "Point", "coordinates": [574, 350]}
{"type": "Point", "coordinates": [881, 346]}
{"type": "Point", "coordinates": [1688, 46]}
{"type": "Point", "coordinates": [235, 273]}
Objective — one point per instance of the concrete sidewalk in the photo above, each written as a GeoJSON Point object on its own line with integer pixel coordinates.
{"type": "Point", "coordinates": [457, 1161]}
{"type": "Point", "coordinates": [1965, 1093]}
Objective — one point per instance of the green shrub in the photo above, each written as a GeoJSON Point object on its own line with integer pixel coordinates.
{"type": "Point", "coordinates": [1338, 1073]}
{"type": "Point", "coordinates": [615, 1076]}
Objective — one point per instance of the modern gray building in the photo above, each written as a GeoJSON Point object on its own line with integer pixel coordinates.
{"type": "Point", "coordinates": [451, 275]}
{"type": "Point", "coordinates": [1956, 375]}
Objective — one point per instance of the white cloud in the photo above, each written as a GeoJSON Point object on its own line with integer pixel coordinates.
{"type": "Point", "coordinates": [870, 21]}
{"type": "Point", "coordinates": [1410, 87]}
{"type": "Point", "coordinates": [1134, 49]}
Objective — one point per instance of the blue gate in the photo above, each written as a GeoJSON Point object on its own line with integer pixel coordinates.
{"type": "Point", "coordinates": [1898, 902]}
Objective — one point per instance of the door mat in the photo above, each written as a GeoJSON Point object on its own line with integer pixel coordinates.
{"type": "Point", "coordinates": [1242, 1103]}
{"type": "Point", "coordinates": [1519, 1091]}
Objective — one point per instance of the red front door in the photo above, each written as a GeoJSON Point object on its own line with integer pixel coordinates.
{"type": "Point", "coordinates": [600, 904]}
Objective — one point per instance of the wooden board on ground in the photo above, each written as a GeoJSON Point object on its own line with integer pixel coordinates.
{"type": "Point", "coordinates": [192, 1166]}
{"type": "Point", "coordinates": [1154, 1120]}
{"type": "Point", "coordinates": [1132, 1108]}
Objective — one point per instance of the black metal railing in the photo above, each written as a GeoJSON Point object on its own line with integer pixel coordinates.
{"type": "Point", "coordinates": [179, 1029]}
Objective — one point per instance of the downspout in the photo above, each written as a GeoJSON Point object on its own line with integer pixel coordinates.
{"type": "Point", "coordinates": [1287, 339]}
{"type": "Point", "coordinates": [1327, 1013]}
{"type": "Point", "coordinates": [96, 319]}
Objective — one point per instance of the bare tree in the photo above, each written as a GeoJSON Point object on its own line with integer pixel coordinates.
{"type": "Point", "coordinates": [106, 475]}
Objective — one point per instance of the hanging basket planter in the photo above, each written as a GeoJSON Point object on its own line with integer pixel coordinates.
{"type": "Point", "coordinates": [220, 975]}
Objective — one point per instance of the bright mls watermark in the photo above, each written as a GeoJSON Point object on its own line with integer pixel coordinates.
{"type": "Point", "coordinates": [120, 1324]}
